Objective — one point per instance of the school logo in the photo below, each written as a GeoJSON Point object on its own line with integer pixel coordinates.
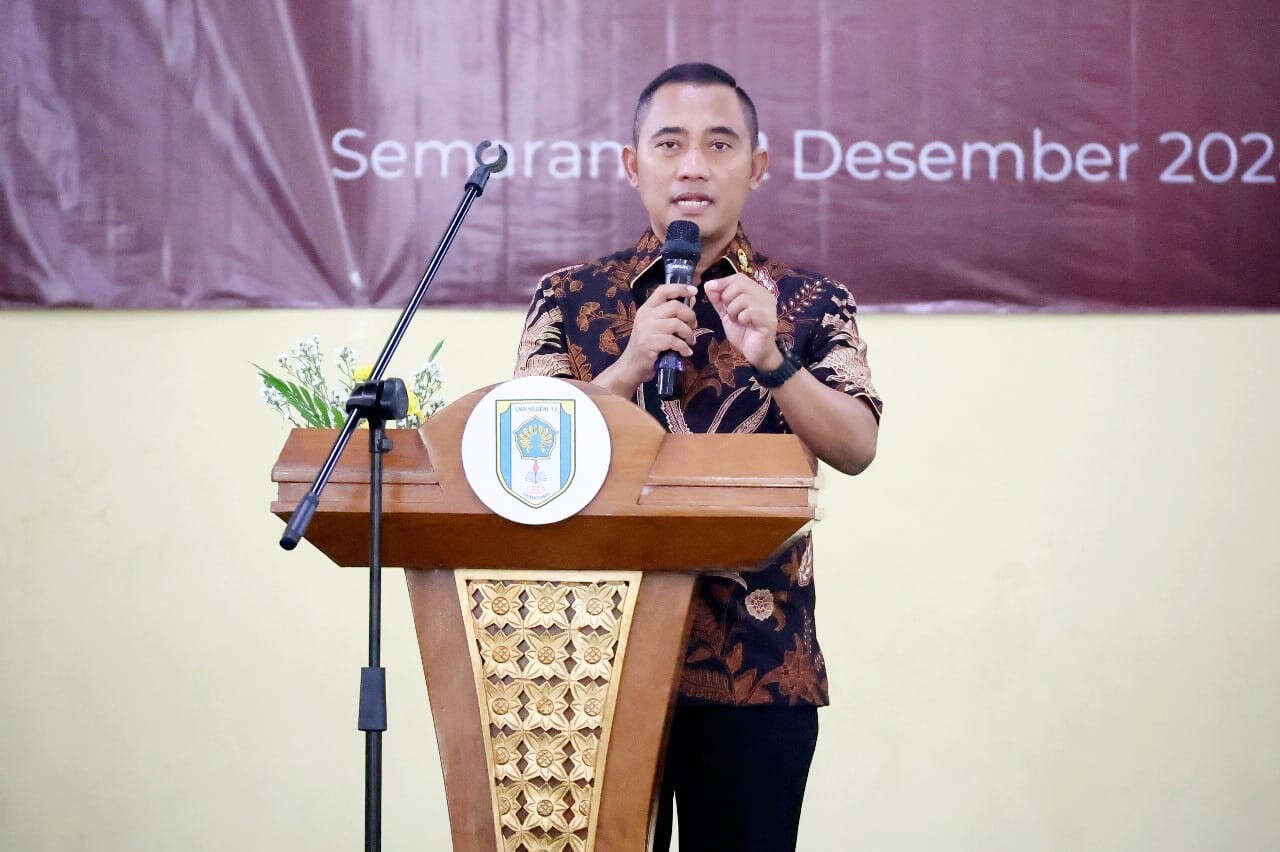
{"type": "Point", "coordinates": [536, 449]}
{"type": "Point", "coordinates": [536, 444]}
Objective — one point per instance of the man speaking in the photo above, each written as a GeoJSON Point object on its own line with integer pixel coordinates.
{"type": "Point", "coordinates": [761, 347]}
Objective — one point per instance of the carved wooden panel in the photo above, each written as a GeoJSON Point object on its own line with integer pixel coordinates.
{"type": "Point", "coordinates": [546, 650]}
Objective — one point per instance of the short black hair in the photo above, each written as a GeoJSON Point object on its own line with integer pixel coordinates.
{"type": "Point", "coordinates": [699, 74]}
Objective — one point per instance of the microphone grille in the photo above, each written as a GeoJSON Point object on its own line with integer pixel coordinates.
{"type": "Point", "coordinates": [683, 241]}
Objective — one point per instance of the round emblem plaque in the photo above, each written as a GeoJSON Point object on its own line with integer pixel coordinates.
{"type": "Point", "coordinates": [535, 450]}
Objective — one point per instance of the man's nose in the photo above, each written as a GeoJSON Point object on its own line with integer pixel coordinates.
{"type": "Point", "coordinates": [693, 165]}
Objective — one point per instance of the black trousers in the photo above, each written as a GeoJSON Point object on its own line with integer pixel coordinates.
{"type": "Point", "coordinates": [738, 776]}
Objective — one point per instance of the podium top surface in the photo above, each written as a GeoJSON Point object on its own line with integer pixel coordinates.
{"type": "Point", "coordinates": [670, 502]}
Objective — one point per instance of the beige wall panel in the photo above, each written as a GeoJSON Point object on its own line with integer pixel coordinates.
{"type": "Point", "coordinates": [1049, 608]}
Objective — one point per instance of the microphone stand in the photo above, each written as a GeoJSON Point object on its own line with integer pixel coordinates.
{"type": "Point", "coordinates": [377, 401]}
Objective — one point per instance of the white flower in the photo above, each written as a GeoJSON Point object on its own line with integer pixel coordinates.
{"type": "Point", "coordinates": [760, 604]}
{"type": "Point", "coordinates": [304, 365]}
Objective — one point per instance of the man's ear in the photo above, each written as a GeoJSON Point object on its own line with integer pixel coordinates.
{"type": "Point", "coordinates": [759, 165]}
{"type": "Point", "coordinates": [630, 165]}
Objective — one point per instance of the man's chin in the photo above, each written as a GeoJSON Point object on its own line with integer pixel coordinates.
{"type": "Point", "coordinates": [710, 227]}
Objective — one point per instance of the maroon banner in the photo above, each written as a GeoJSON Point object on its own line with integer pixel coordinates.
{"type": "Point", "coordinates": [1069, 155]}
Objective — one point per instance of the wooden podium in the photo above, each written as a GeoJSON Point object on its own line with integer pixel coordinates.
{"type": "Point", "coordinates": [552, 653]}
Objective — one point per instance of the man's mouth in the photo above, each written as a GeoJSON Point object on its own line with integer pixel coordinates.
{"type": "Point", "coordinates": [692, 202]}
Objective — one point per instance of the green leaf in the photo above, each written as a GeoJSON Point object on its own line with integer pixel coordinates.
{"type": "Point", "coordinates": [272, 381]}
{"type": "Point", "coordinates": [332, 414]}
{"type": "Point", "coordinates": [309, 405]}
{"type": "Point", "coordinates": [290, 392]}
{"type": "Point", "coordinates": [436, 351]}
{"type": "Point", "coordinates": [318, 410]}
{"type": "Point", "coordinates": [335, 415]}
{"type": "Point", "coordinates": [301, 400]}
{"type": "Point", "coordinates": [293, 395]}
{"type": "Point", "coordinates": [320, 407]}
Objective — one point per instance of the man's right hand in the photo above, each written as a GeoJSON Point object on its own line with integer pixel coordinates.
{"type": "Point", "coordinates": [663, 322]}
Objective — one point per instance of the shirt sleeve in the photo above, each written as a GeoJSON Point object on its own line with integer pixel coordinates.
{"type": "Point", "coordinates": [837, 355]}
{"type": "Point", "coordinates": [543, 350]}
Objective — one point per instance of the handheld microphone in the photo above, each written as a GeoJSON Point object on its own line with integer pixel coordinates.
{"type": "Point", "coordinates": [680, 255]}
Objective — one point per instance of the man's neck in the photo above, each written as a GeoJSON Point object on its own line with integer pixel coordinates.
{"type": "Point", "coordinates": [711, 253]}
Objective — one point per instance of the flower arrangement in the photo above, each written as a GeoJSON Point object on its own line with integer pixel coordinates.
{"type": "Point", "coordinates": [302, 394]}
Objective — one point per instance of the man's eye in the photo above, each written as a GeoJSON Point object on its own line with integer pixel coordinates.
{"type": "Point", "coordinates": [667, 144]}
{"type": "Point", "coordinates": [720, 146]}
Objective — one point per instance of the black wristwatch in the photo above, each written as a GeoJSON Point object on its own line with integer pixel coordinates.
{"type": "Point", "coordinates": [774, 378]}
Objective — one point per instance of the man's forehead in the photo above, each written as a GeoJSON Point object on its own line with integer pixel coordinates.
{"type": "Point", "coordinates": [694, 108]}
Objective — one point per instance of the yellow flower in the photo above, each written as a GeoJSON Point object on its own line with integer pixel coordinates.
{"type": "Point", "coordinates": [362, 373]}
{"type": "Point", "coordinates": [415, 407]}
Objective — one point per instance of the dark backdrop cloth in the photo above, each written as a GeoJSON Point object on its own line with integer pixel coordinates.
{"type": "Point", "coordinates": [209, 153]}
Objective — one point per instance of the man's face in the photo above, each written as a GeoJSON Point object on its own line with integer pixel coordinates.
{"type": "Point", "coordinates": [694, 161]}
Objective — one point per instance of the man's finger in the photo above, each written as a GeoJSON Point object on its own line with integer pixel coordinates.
{"type": "Point", "coordinates": [730, 290]}
{"type": "Point", "coordinates": [685, 314]}
{"type": "Point", "coordinates": [738, 290]}
{"type": "Point", "coordinates": [674, 308]}
{"type": "Point", "coordinates": [670, 341]}
{"type": "Point", "coordinates": [714, 299]}
{"type": "Point", "coordinates": [680, 329]}
{"type": "Point", "coordinates": [669, 327]}
{"type": "Point", "coordinates": [666, 292]}
{"type": "Point", "coordinates": [731, 284]}
{"type": "Point", "coordinates": [738, 305]}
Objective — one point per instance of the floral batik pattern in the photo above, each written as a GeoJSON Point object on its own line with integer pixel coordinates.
{"type": "Point", "coordinates": [753, 640]}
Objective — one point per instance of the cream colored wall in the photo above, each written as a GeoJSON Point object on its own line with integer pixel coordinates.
{"type": "Point", "coordinates": [1050, 607]}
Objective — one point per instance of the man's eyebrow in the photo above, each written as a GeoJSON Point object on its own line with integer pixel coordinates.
{"type": "Point", "coordinates": [663, 131]}
{"type": "Point", "coordinates": [724, 131]}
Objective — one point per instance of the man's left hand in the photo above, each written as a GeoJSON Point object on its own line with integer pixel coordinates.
{"type": "Point", "coordinates": [749, 314]}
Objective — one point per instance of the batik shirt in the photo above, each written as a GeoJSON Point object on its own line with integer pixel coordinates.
{"type": "Point", "coordinates": [753, 640]}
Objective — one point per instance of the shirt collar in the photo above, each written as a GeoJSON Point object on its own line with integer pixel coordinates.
{"type": "Point", "coordinates": [648, 256]}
